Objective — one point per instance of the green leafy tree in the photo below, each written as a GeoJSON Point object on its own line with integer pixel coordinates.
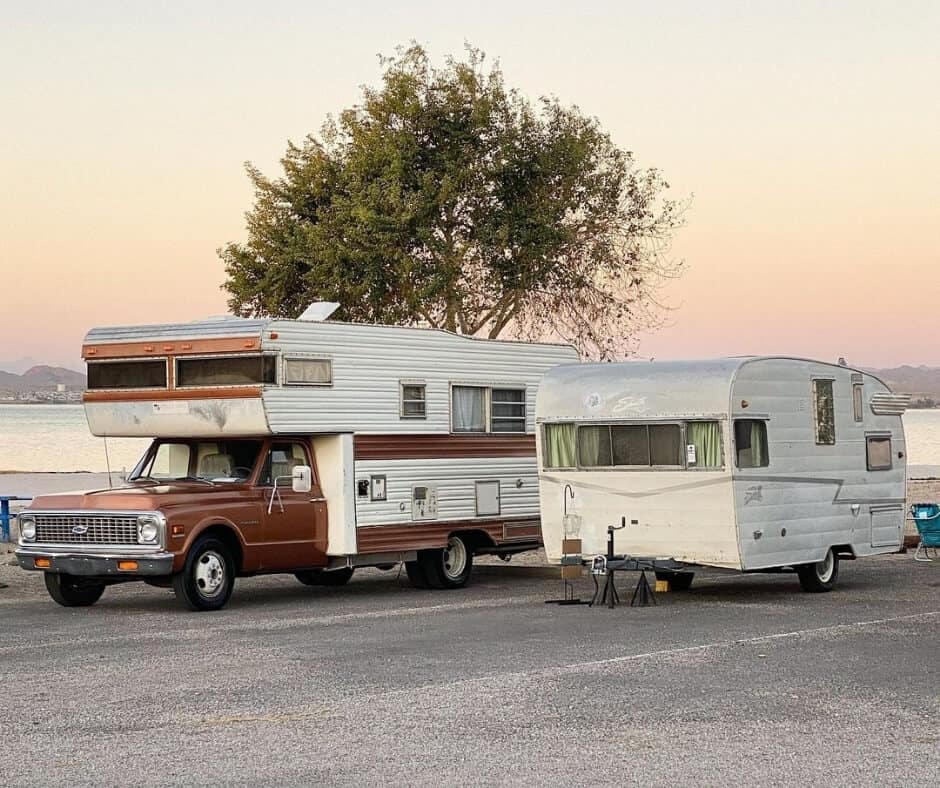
{"type": "Point", "coordinates": [446, 199]}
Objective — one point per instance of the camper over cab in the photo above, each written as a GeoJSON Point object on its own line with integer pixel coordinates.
{"type": "Point", "coordinates": [309, 447]}
{"type": "Point", "coordinates": [743, 463]}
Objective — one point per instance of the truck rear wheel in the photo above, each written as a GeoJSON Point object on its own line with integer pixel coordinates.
{"type": "Point", "coordinates": [450, 567]}
{"type": "Point", "coordinates": [69, 591]}
{"type": "Point", "coordinates": [819, 577]}
{"type": "Point", "coordinates": [416, 575]}
{"type": "Point", "coordinates": [208, 576]}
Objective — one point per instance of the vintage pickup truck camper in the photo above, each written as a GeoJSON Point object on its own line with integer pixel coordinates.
{"type": "Point", "coordinates": [309, 447]}
{"type": "Point", "coordinates": [743, 463]}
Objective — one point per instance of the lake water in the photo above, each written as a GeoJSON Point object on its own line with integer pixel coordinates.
{"type": "Point", "coordinates": [56, 438]}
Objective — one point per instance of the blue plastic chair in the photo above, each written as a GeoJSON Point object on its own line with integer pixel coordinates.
{"type": "Point", "coordinates": [927, 519]}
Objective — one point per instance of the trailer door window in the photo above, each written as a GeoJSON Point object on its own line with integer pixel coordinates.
{"type": "Point", "coordinates": [750, 444]}
{"type": "Point", "coordinates": [558, 445]}
{"type": "Point", "coordinates": [824, 409]}
{"type": "Point", "coordinates": [878, 450]}
{"type": "Point", "coordinates": [705, 436]}
{"type": "Point", "coordinates": [468, 409]}
{"type": "Point", "coordinates": [857, 392]}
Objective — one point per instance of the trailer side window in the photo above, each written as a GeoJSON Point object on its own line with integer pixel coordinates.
{"type": "Point", "coordinates": [705, 436]}
{"type": "Point", "coordinates": [750, 444]}
{"type": "Point", "coordinates": [413, 401]}
{"type": "Point", "coordinates": [308, 371]}
{"type": "Point", "coordinates": [225, 371]}
{"type": "Point", "coordinates": [824, 409]}
{"type": "Point", "coordinates": [558, 445]}
{"type": "Point", "coordinates": [878, 450]}
{"type": "Point", "coordinates": [507, 410]}
{"type": "Point", "coordinates": [468, 409]}
{"type": "Point", "coordinates": [149, 374]}
{"type": "Point", "coordinates": [857, 391]}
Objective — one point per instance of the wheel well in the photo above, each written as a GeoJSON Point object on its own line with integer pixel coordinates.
{"type": "Point", "coordinates": [844, 552]}
{"type": "Point", "coordinates": [474, 539]}
{"type": "Point", "coordinates": [229, 538]}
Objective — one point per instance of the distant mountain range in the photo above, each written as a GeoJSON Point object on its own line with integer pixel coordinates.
{"type": "Point", "coordinates": [41, 378]}
{"type": "Point", "coordinates": [922, 383]}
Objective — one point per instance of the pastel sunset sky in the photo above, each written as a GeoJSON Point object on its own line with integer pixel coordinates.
{"type": "Point", "coordinates": [808, 133]}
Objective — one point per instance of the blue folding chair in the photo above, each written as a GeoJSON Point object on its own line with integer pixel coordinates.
{"type": "Point", "coordinates": [927, 519]}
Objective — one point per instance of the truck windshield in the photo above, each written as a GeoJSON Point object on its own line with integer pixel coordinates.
{"type": "Point", "coordinates": [208, 461]}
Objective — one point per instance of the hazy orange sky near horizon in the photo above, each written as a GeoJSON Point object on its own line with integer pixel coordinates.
{"type": "Point", "coordinates": [807, 134]}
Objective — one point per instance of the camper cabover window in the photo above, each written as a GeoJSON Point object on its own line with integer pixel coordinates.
{"type": "Point", "coordinates": [558, 446]}
{"type": "Point", "coordinates": [147, 374]}
{"type": "Point", "coordinates": [824, 410]}
{"type": "Point", "coordinates": [750, 444]}
{"type": "Point", "coordinates": [239, 370]}
{"type": "Point", "coordinates": [878, 451]}
{"type": "Point", "coordinates": [308, 371]}
{"type": "Point", "coordinates": [630, 445]}
{"type": "Point", "coordinates": [413, 401]}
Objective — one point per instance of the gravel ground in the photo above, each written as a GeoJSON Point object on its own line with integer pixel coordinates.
{"type": "Point", "coordinates": [744, 680]}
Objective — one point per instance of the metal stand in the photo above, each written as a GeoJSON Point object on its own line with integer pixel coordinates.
{"type": "Point", "coordinates": [643, 595]}
{"type": "Point", "coordinates": [568, 599]}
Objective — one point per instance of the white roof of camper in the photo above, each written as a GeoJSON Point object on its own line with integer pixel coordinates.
{"type": "Point", "coordinates": [645, 389]}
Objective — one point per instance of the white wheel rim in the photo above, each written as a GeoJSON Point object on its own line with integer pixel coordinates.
{"type": "Point", "coordinates": [826, 567]}
{"type": "Point", "coordinates": [455, 558]}
{"type": "Point", "coordinates": [210, 574]}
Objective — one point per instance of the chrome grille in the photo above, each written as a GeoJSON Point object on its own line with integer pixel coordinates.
{"type": "Point", "coordinates": [86, 529]}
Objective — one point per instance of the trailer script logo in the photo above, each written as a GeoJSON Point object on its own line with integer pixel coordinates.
{"type": "Point", "coordinates": [752, 494]}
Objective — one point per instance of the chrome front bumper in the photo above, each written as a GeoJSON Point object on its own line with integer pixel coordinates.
{"type": "Point", "coordinates": [95, 564]}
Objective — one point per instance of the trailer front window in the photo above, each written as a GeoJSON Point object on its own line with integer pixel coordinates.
{"type": "Point", "coordinates": [750, 444]}
{"type": "Point", "coordinates": [558, 445]}
{"type": "Point", "coordinates": [630, 445]}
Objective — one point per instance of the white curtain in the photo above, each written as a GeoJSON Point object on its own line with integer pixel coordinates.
{"type": "Point", "coordinates": [468, 409]}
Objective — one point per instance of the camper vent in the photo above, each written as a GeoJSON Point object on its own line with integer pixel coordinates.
{"type": "Point", "coordinates": [885, 403]}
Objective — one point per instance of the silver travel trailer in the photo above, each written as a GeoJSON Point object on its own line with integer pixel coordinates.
{"type": "Point", "coordinates": [754, 463]}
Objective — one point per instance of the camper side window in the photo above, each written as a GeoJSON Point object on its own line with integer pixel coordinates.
{"type": "Point", "coordinates": [824, 409]}
{"type": "Point", "coordinates": [413, 401]}
{"type": "Point", "coordinates": [750, 444]}
{"type": "Point", "coordinates": [308, 371]}
{"type": "Point", "coordinates": [878, 451]}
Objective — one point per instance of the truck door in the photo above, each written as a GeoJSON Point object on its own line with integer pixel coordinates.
{"type": "Point", "coordinates": [295, 524]}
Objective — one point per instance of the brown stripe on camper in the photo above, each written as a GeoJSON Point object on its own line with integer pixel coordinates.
{"type": "Point", "coordinates": [397, 446]}
{"type": "Point", "coordinates": [161, 395]}
{"type": "Point", "coordinates": [424, 536]}
{"type": "Point", "coordinates": [176, 347]}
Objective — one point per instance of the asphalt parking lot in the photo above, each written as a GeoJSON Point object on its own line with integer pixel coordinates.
{"type": "Point", "coordinates": [742, 680]}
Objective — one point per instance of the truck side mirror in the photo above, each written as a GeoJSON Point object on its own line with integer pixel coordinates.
{"type": "Point", "coordinates": [302, 479]}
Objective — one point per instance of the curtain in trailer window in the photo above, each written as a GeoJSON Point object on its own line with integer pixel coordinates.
{"type": "Point", "coordinates": [594, 446]}
{"type": "Point", "coordinates": [705, 436]}
{"type": "Point", "coordinates": [558, 445]}
{"type": "Point", "coordinates": [468, 409]}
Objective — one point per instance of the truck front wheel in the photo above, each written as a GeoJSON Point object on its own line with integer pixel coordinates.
{"type": "Point", "coordinates": [69, 591]}
{"type": "Point", "coordinates": [208, 576]}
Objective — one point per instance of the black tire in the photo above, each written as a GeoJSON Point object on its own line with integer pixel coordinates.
{"type": "Point", "coordinates": [678, 581]}
{"type": "Point", "coordinates": [386, 567]}
{"type": "Point", "coordinates": [70, 591]}
{"type": "Point", "coordinates": [819, 577]}
{"type": "Point", "coordinates": [318, 577]}
{"type": "Point", "coordinates": [208, 576]}
{"type": "Point", "coordinates": [448, 568]}
{"type": "Point", "coordinates": [416, 575]}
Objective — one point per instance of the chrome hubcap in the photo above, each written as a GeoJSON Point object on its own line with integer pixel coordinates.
{"type": "Point", "coordinates": [455, 558]}
{"type": "Point", "coordinates": [210, 574]}
{"type": "Point", "coordinates": [825, 568]}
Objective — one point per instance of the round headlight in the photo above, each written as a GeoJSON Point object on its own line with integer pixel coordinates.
{"type": "Point", "coordinates": [28, 528]}
{"type": "Point", "coordinates": [147, 529]}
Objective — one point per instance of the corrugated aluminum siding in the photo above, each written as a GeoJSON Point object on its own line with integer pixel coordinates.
{"type": "Point", "coordinates": [196, 329]}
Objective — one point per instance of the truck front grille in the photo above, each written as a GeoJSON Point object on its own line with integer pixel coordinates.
{"type": "Point", "coordinates": [86, 529]}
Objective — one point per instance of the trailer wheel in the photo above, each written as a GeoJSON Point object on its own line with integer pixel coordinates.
{"type": "Point", "coordinates": [68, 591]}
{"type": "Point", "coordinates": [450, 567]}
{"type": "Point", "coordinates": [678, 581]}
{"type": "Point", "coordinates": [208, 576]}
{"type": "Point", "coordinates": [819, 577]}
{"type": "Point", "coordinates": [319, 577]}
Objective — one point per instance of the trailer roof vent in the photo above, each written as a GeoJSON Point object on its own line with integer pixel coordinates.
{"type": "Point", "coordinates": [319, 311]}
